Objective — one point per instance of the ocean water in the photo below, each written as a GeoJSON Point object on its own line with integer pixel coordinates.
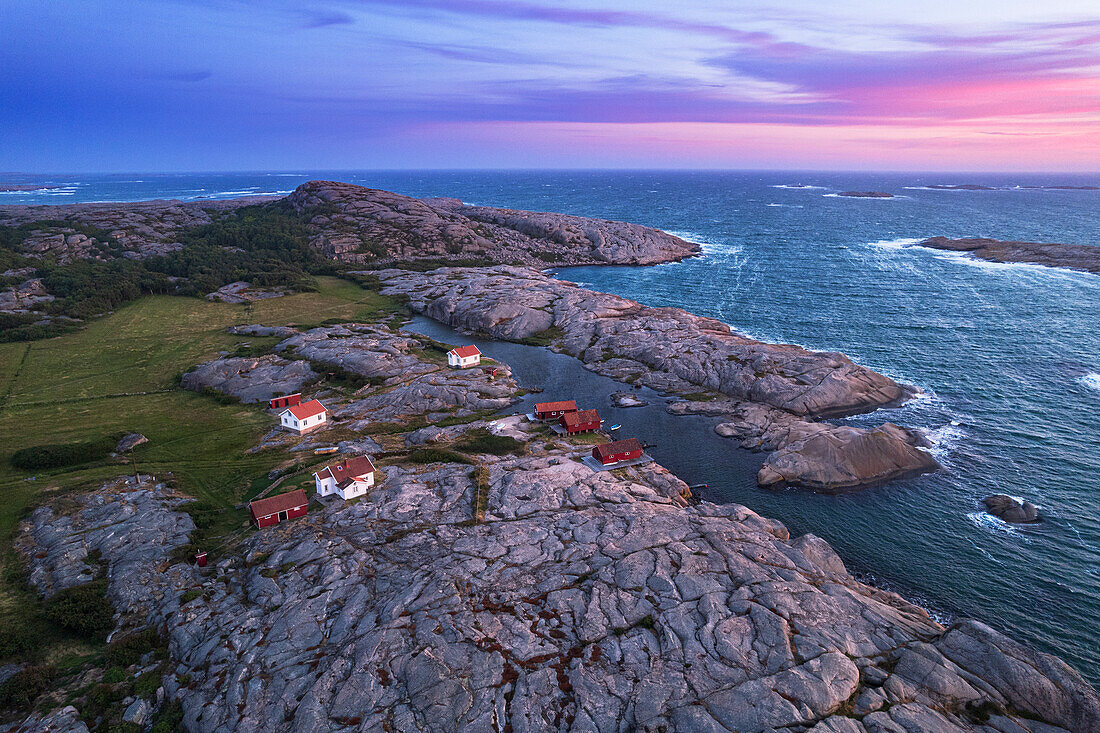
{"type": "Point", "coordinates": [1007, 356]}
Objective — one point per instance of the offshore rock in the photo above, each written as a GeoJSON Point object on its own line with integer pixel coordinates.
{"type": "Point", "coordinates": [1011, 509]}
{"type": "Point", "coordinates": [1070, 256]}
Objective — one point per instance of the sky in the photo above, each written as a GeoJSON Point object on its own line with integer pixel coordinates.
{"type": "Point", "coordinates": [221, 85]}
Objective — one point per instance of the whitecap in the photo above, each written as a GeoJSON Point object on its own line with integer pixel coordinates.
{"type": "Point", "coordinates": [1091, 380]}
{"type": "Point", "coordinates": [943, 438]}
{"type": "Point", "coordinates": [900, 243]}
{"type": "Point", "coordinates": [707, 243]}
{"type": "Point", "coordinates": [984, 520]}
{"type": "Point", "coordinates": [794, 187]}
{"type": "Point", "coordinates": [864, 198]}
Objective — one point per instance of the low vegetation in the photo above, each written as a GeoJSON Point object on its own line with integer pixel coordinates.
{"type": "Point", "coordinates": [83, 610]}
{"type": "Point", "coordinates": [61, 455]}
{"type": "Point", "coordinates": [482, 441]}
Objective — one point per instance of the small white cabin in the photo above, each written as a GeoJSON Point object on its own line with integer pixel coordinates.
{"type": "Point", "coordinates": [463, 356]}
{"type": "Point", "coordinates": [347, 479]}
{"type": "Point", "coordinates": [304, 417]}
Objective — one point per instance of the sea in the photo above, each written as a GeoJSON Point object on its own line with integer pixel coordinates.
{"type": "Point", "coordinates": [1006, 356]}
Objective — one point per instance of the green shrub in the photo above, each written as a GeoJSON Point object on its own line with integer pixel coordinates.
{"type": "Point", "coordinates": [146, 685]}
{"type": "Point", "coordinates": [189, 596]}
{"type": "Point", "coordinates": [60, 455]}
{"type": "Point", "coordinates": [169, 718]}
{"type": "Point", "coordinates": [438, 455]}
{"type": "Point", "coordinates": [129, 649]}
{"type": "Point", "coordinates": [482, 441]}
{"type": "Point", "coordinates": [19, 691]}
{"type": "Point", "coordinates": [83, 610]}
{"type": "Point", "coordinates": [114, 675]}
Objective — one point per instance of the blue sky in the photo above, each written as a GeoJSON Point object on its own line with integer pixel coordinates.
{"type": "Point", "coordinates": [235, 85]}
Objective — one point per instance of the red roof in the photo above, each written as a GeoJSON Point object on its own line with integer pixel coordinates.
{"type": "Point", "coordinates": [563, 406]}
{"type": "Point", "coordinates": [307, 409]}
{"type": "Point", "coordinates": [630, 445]}
{"type": "Point", "coordinates": [584, 417]}
{"type": "Point", "coordinates": [351, 468]}
{"type": "Point", "coordinates": [464, 352]}
{"type": "Point", "coordinates": [281, 503]}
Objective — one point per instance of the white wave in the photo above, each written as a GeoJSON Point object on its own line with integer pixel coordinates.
{"type": "Point", "coordinates": [984, 520]}
{"type": "Point", "coordinates": [221, 194]}
{"type": "Point", "coordinates": [707, 243]}
{"type": "Point", "coordinates": [943, 438]}
{"type": "Point", "coordinates": [1092, 380]}
{"type": "Point", "coordinates": [900, 243]}
{"type": "Point", "coordinates": [965, 258]}
{"type": "Point", "coordinates": [795, 186]}
{"type": "Point", "coordinates": [864, 198]}
{"type": "Point", "coordinates": [786, 206]}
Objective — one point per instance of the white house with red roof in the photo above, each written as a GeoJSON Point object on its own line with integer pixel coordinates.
{"type": "Point", "coordinates": [304, 417]}
{"type": "Point", "coordinates": [463, 356]}
{"type": "Point", "coordinates": [347, 479]}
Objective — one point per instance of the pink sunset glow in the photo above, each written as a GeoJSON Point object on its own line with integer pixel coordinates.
{"type": "Point", "coordinates": [487, 83]}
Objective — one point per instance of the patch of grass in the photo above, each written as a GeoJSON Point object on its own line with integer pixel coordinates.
{"type": "Point", "coordinates": [19, 691]}
{"type": "Point", "coordinates": [438, 455]}
{"type": "Point", "coordinates": [704, 396]}
{"type": "Point", "coordinates": [189, 596]}
{"type": "Point", "coordinates": [543, 338]}
{"type": "Point", "coordinates": [129, 649]}
{"type": "Point", "coordinates": [482, 441]}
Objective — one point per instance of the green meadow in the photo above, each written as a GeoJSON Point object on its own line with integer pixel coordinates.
{"type": "Point", "coordinates": [121, 374]}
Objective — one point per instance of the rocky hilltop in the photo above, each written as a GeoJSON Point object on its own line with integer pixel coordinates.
{"type": "Point", "coordinates": [584, 601]}
{"type": "Point", "coordinates": [778, 392]}
{"type": "Point", "coordinates": [356, 224]}
{"type": "Point", "coordinates": [1070, 256]}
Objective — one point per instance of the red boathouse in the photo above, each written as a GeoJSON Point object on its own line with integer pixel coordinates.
{"type": "Point", "coordinates": [281, 403]}
{"type": "Point", "coordinates": [275, 509]}
{"type": "Point", "coordinates": [620, 450]}
{"type": "Point", "coordinates": [582, 421]}
{"type": "Point", "coordinates": [554, 410]}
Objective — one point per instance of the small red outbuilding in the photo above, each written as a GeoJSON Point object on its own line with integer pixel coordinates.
{"type": "Point", "coordinates": [620, 450]}
{"type": "Point", "coordinates": [290, 400]}
{"type": "Point", "coordinates": [275, 509]}
{"type": "Point", "coordinates": [582, 421]}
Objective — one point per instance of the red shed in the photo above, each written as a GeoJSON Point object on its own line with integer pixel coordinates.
{"type": "Point", "coordinates": [275, 509]}
{"type": "Point", "coordinates": [582, 421]}
{"type": "Point", "coordinates": [620, 450]}
{"type": "Point", "coordinates": [554, 410]}
{"type": "Point", "coordinates": [290, 400]}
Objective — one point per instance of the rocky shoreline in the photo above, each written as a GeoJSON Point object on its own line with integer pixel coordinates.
{"type": "Point", "coordinates": [773, 395]}
{"type": "Point", "coordinates": [1085, 258]}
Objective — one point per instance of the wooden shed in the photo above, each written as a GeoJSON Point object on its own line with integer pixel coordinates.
{"type": "Point", "coordinates": [620, 450]}
{"type": "Point", "coordinates": [554, 410]}
{"type": "Point", "coordinates": [275, 509]}
{"type": "Point", "coordinates": [581, 421]}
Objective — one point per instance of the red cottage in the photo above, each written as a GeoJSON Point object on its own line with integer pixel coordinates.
{"type": "Point", "coordinates": [620, 450]}
{"type": "Point", "coordinates": [290, 400]}
{"type": "Point", "coordinates": [275, 509]}
{"type": "Point", "coordinates": [582, 421]}
{"type": "Point", "coordinates": [554, 410]}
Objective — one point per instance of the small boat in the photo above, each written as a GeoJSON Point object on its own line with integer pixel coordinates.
{"type": "Point", "coordinates": [616, 426]}
{"type": "Point", "coordinates": [324, 451]}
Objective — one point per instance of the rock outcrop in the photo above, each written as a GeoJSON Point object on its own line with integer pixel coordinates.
{"type": "Point", "coordinates": [370, 351]}
{"type": "Point", "coordinates": [243, 292]}
{"type": "Point", "coordinates": [584, 601]}
{"type": "Point", "coordinates": [1011, 509]}
{"type": "Point", "coordinates": [133, 530]}
{"type": "Point", "coordinates": [778, 391]}
{"type": "Point", "coordinates": [141, 228]}
{"type": "Point", "coordinates": [26, 297]}
{"type": "Point", "coordinates": [357, 224]}
{"type": "Point", "coordinates": [1083, 257]}
{"type": "Point", "coordinates": [250, 378]}
{"type": "Point", "coordinates": [866, 194]}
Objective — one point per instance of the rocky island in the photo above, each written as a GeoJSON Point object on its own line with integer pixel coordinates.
{"type": "Point", "coordinates": [866, 194]}
{"type": "Point", "coordinates": [1083, 257]}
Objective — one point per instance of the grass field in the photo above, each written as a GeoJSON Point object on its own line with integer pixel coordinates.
{"type": "Point", "coordinates": [121, 374]}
